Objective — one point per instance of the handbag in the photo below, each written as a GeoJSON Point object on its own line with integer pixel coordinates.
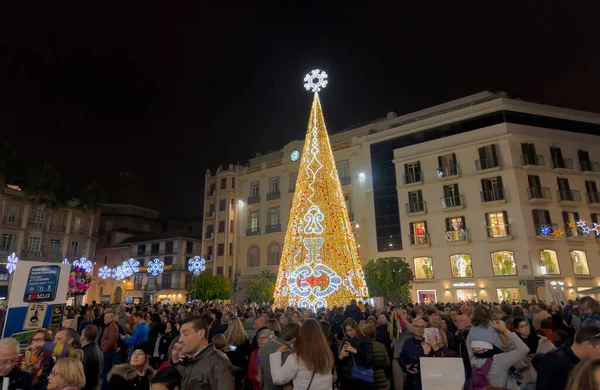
{"type": "Point", "coordinates": [362, 373]}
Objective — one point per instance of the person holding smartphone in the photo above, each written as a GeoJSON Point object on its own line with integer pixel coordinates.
{"type": "Point", "coordinates": [413, 350]}
{"type": "Point", "coordinates": [356, 349]}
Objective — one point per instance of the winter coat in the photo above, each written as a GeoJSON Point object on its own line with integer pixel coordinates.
{"type": "Point", "coordinates": [363, 356]}
{"type": "Point", "coordinates": [353, 311]}
{"type": "Point", "coordinates": [210, 369]}
{"type": "Point", "coordinates": [295, 371]}
{"type": "Point", "coordinates": [93, 364]}
{"type": "Point", "coordinates": [17, 380]}
{"type": "Point", "coordinates": [383, 336]}
{"type": "Point", "coordinates": [124, 376]}
{"type": "Point", "coordinates": [381, 367]}
{"type": "Point", "coordinates": [527, 371]}
{"type": "Point", "coordinates": [165, 342]}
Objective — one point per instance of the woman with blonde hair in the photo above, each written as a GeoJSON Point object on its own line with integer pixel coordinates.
{"type": "Point", "coordinates": [585, 376]}
{"type": "Point", "coordinates": [239, 349]}
{"type": "Point", "coordinates": [67, 374]}
{"type": "Point", "coordinates": [310, 365]}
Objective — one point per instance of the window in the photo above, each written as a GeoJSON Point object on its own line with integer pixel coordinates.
{"type": "Point", "coordinates": [343, 168]}
{"type": "Point", "coordinates": [557, 158]}
{"type": "Point", "coordinates": [13, 215]}
{"type": "Point", "coordinates": [591, 192]}
{"type": "Point", "coordinates": [154, 248]}
{"type": "Point", "coordinates": [274, 255]}
{"type": "Point", "coordinates": [570, 219]}
{"type": "Point", "coordinates": [233, 182]}
{"type": "Point", "coordinates": [447, 165]}
{"type": "Point", "coordinates": [503, 263]}
{"type": "Point", "coordinates": [509, 294]}
{"type": "Point", "coordinates": [58, 223]}
{"type": "Point", "coordinates": [188, 280]}
{"type": "Point", "coordinates": [253, 221]}
{"type": "Point", "coordinates": [254, 189]}
{"type": "Point", "coordinates": [138, 281]}
{"type": "Point", "coordinates": [549, 262]}
{"type": "Point", "coordinates": [487, 158]}
{"type": "Point", "coordinates": [274, 217]}
{"type": "Point", "coordinates": [142, 262]}
{"type": "Point", "coordinates": [466, 294]}
{"type": "Point", "coordinates": [141, 250]}
{"type": "Point", "coordinates": [529, 156]}
{"type": "Point", "coordinates": [564, 190]}
{"type": "Point", "coordinates": [6, 243]}
{"type": "Point", "coordinates": [497, 224]}
{"type": "Point", "coordinates": [584, 161]}
{"type": "Point", "coordinates": [74, 251]}
{"type": "Point", "coordinates": [461, 266]}
{"type": "Point", "coordinates": [220, 249]}
{"type": "Point", "coordinates": [423, 268]}
{"type": "Point", "coordinates": [223, 183]}
{"type": "Point", "coordinates": [212, 188]}
{"type": "Point", "coordinates": [580, 263]}
{"type": "Point", "coordinates": [168, 260]}
{"type": "Point", "coordinates": [209, 231]}
{"type": "Point", "coordinates": [492, 189]}
{"type": "Point", "coordinates": [254, 257]}
{"type": "Point", "coordinates": [418, 233]}
{"type": "Point", "coordinates": [451, 196]}
{"type": "Point", "coordinates": [78, 223]}
{"type": "Point", "coordinates": [415, 202]}
{"type": "Point", "coordinates": [219, 270]}
{"type": "Point", "coordinates": [231, 225]}
{"type": "Point", "coordinates": [221, 226]}
{"type": "Point", "coordinates": [412, 172]}
{"type": "Point", "coordinates": [38, 220]}
{"type": "Point", "coordinates": [209, 250]}
{"type": "Point", "coordinates": [274, 184]}
{"type": "Point", "coordinates": [211, 208]}
{"type": "Point", "coordinates": [169, 247]}
{"type": "Point", "coordinates": [230, 249]}
{"type": "Point", "coordinates": [54, 248]}
{"type": "Point", "coordinates": [189, 246]}
{"type": "Point", "coordinates": [166, 280]}
{"type": "Point", "coordinates": [222, 204]}
{"type": "Point", "coordinates": [456, 229]}
{"type": "Point", "coordinates": [293, 180]}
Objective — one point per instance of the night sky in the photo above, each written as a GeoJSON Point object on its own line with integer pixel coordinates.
{"type": "Point", "coordinates": [166, 92]}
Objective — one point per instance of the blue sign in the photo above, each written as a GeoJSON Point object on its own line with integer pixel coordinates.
{"type": "Point", "coordinates": [42, 283]}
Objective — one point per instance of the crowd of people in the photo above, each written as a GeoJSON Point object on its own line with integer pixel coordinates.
{"type": "Point", "coordinates": [486, 346]}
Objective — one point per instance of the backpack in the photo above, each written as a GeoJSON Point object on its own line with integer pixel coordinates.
{"type": "Point", "coordinates": [479, 380]}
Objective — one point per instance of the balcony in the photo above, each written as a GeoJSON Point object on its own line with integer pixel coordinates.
{"type": "Point", "coordinates": [54, 255]}
{"type": "Point", "coordinates": [253, 231]}
{"type": "Point", "coordinates": [273, 228]}
{"type": "Point", "coordinates": [416, 208]}
{"type": "Point", "coordinates": [447, 172]}
{"type": "Point", "coordinates": [499, 232]}
{"type": "Point", "coordinates": [457, 237]}
{"type": "Point", "coordinates": [568, 196]}
{"type": "Point", "coordinates": [254, 199]}
{"type": "Point", "coordinates": [573, 234]}
{"type": "Point", "coordinates": [35, 224]}
{"type": "Point", "coordinates": [487, 163]}
{"type": "Point", "coordinates": [209, 214]}
{"type": "Point", "coordinates": [548, 231]}
{"type": "Point", "coordinates": [530, 160]}
{"type": "Point", "coordinates": [58, 228]}
{"type": "Point", "coordinates": [593, 198]}
{"type": "Point", "coordinates": [450, 203]}
{"type": "Point", "coordinates": [33, 253]}
{"type": "Point", "coordinates": [412, 178]}
{"type": "Point", "coordinates": [587, 166]}
{"type": "Point", "coordinates": [272, 195]}
{"type": "Point", "coordinates": [493, 196]}
{"type": "Point", "coordinates": [78, 229]}
{"type": "Point", "coordinates": [419, 240]}
{"type": "Point", "coordinates": [345, 180]}
{"type": "Point", "coordinates": [208, 257]}
{"type": "Point", "coordinates": [11, 221]}
{"type": "Point", "coordinates": [209, 235]}
{"type": "Point", "coordinates": [539, 194]}
{"type": "Point", "coordinates": [210, 194]}
{"type": "Point", "coordinates": [562, 163]}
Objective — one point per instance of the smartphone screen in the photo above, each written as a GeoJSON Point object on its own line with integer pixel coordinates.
{"type": "Point", "coordinates": [232, 347]}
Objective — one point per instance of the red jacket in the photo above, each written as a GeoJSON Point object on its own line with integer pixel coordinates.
{"type": "Point", "coordinates": [109, 337]}
{"type": "Point", "coordinates": [253, 370]}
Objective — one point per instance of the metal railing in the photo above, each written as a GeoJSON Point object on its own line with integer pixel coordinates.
{"type": "Point", "coordinates": [254, 199]}
{"type": "Point", "coordinates": [414, 177]}
{"type": "Point", "coordinates": [546, 230]}
{"type": "Point", "coordinates": [57, 228]}
{"type": "Point", "coordinates": [486, 163]}
{"type": "Point", "coordinates": [209, 236]}
{"type": "Point", "coordinates": [589, 166]}
{"type": "Point", "coordinates": [273, 195]}
{"type": "Point", "coordinates": [568, 196]}
{"type": "Point", "coordinates": [416, 207]}
{"type": "Point", "coordinates": [592, 197]}
{"type": "Point", "coordinates": [562, 163]}
{"type": "Point", "coordinates": [449, 171]}
{"type": "Point", "coordinates": [531, 159]}
{"type": "Point", "coordinates": [499, 230]}
{"type": "Point", "coordinates": [418, 239]}
{"type": "Point", "coordinates": [253, 231]}
{"type": "Point", "coordinates": [35, 224]}
{"type": "Point", "coordinates": [33, 254]}
{"type": "Point", "coordinates": [79, 230]}
{"type": "Point", "coordinates": [492, 195]}
{"type": "Point", "coordinates": [344, 180]}
{"type": "Point", "coordinates": [457, 235]}
{"type": "Point", "coordinates": [273, 228]}
{"type": "Point", "coordinates": [451, 201]}
{"type": "Point", "coordinates": [209, 214]}
{"type": "Point", "coordinates": [539, 193]}
{"type": "Point", "coordinates": [210, 194]}
{"type": "Point", "coordinates": [11, 221]}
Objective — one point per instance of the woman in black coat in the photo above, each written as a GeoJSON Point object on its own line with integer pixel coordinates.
{"type": "Point", "coordinates": [136, 374]}
{"type": "Point", "coordinates": [166, 339]}
{"type": "Point", "coordinates": [356, 349]}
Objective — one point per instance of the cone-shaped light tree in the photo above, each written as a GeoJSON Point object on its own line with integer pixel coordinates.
{"type": "Point", "coordinates": [319, 265]}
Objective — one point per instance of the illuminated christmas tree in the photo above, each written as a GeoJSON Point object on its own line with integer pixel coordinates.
{"type": "Point", "coordinates": [319, 265]}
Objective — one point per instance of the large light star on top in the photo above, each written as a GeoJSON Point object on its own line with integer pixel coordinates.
{"type": "Point", "coordinates": [315, 80]}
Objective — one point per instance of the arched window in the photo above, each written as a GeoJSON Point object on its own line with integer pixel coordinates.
{"type": "Point", "coordinates": [461, 265]}
{"type": "Point", "coordinates": [274, 254]}
{"type": "Point", "coordinates": [549, 262]}
{"type": "Point", "coordinates": [423, 268]}
{"type": "Point", "coordinates": [580, 263]}
{"type": "Point", "coordinates": [253, 256]}
{"type": "Point", "coordinates": [503, 263]}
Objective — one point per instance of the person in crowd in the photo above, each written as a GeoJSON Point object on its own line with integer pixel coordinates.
{"type": "Point", "coordinates": [239, 349]}
{"type": "Point", "coordinates": [356, 349]}
{"type": "Point", "coordinates": [166, 340]}
{"type": "Point", "coordinates": [220, 343]}
{"type": "Point", "coordinates": [337, 321]}
{"type": "Point", "coordinates": [223, 325]}
{"type": "Point", "coordinates": [463, 323]}
{"type": "Point", "coordinates": [93, 358]}
{"type": "Point", "coordinates": [381, 362]}
{"type": "Point", "coordinates": [88, 319]}
{"type": "Point", "coordinates": [354, 312]}
{"type": "Point", "coordinates": [296, 317]}
{"type": "Point", "coordinates": [262, 337]}
{"type": "Point", "coordinates": [108, 344]}
{"type": "Point", "coordinates": [274, 327]}
{"type": "Point", "coordinates": [207, 368]}
{"type": "Point", "coordinates": [383, 334]}
{"type": "Point", "coordinates": [481, 329]}
{"type": "Point", "coordinates": [413, 350]}
{"type": "Point", "coordinates": [585, 376]}
{"type": "Point", "coordinates": [546, 330]}
{"type": "Point", "coordinates": [140, 334]}
{"type": "Point", "coordinates": [575, 318]}
{"type": "Point", "coordinates": [541, 315]}
{"type": "Point", "coordinates": [311, 364]}
{"type": "Point", "coordinates": [435, 321]}
{"type": "Point", "coordinates": [175, 355]}
{"type": "Point", "coordinates": [167, 379]}
{"type": "Point", "coordinates": [155, 327]}
{"type": "Point", "coordinates": [9, 356]}
{"type": "Point", "coordinates": [289, 334]}
{"type": "Point", "coordinates": [556, 365]}
{"type": "Point", "coordinates": [66, 344]}
{"type": "Point", "coordinates": [590, 311]}
{"type": "Point", "coordinates": [557, 318]}
{"type": "Point", "coordinates": [70, 322]}
{"type": "Point", "coordinates": [135, 374]}
{"type": "Point", "coordinates": [38, 362]}
{"type": "Point", "coordinates": [536, 345]}
{"type": "Point", "coordinates": [450, 329]}
{"type": "Point", "coordinates": [67, 374]}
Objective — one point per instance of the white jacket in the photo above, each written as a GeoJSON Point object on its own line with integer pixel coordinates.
{"type": "Point", "coordinates": [296, 372]}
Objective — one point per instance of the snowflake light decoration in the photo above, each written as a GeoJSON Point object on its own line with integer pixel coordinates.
{"type": "Point", "coordinates": [66, 261]}
{"type": "Point", "coordinates": [196, 265]}
{"type": "Point", "coordinates": [545, 230]}
{"type": "Point", "coordinates": [118, 273]}
{"type": "Point", "coordinates": [84, 264]}
{"type": "Point", "coordinates": [309, 80]}
{"type": "Point", "coordinates": [131, 267]}
{"type": "Point", "coordinates": [11, 264]}
{"type": "Point", "coordinates": [155, 267]}
{"type": "Point", "coordinates": [105, 272]}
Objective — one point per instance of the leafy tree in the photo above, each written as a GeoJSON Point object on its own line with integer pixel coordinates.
{"type": "Point", "coordinates": [91, 197]}
{"type": "Point", "coordinates": [42, 183]}
{"type": "Point", "coordinates": [261, 289]}
{"type": "Point", "coordinates": [389, 277]}
{"type": "Point", "coordinates": [208, 287]}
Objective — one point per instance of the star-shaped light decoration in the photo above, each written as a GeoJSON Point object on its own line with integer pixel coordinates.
{"type": "Point", "coordinates": [105, 272]}
{"type": "Point", "coordinates": [319, 76]}
{"type": "Point", "coordinates": [596, 228]}
{"type": "Point", "coordinates": [545, 230]}
{"type": "Point", "coordinates": [196, 265]}
{"type": "Point", "coordinates": [84, 264]}
{"type": "Point", "coordinates": [571, 224]}
{"type": "Point", "coordinates": [586, 229]}
{"type": "Point", "coordinates": [66, 261]}
{"type": "Point", "coordinates": [155, 267]}
{"type": "Point", "coordinates": [11, 263]}
{"type": "Point", "coordinates": [581, 224]}
{"type": "Point", "coordinates": [557, 233]}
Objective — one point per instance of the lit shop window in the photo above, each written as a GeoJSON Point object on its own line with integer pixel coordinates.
{"type": "Point", "coordinates": [580, 264]}
{"type": "Point", "coordinates": [461, 266]}
{"type": "Point", "coordinates": [503, 263]}
{"type": "Point", "coordinates": [549, 262]}
{"type": "Point", "coordinates": [423, 268]}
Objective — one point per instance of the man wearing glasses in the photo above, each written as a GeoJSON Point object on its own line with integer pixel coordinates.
{"type": "Point", "coordinates": [555, 367]}
{"type": "Point", "coordinates": [9, 355]}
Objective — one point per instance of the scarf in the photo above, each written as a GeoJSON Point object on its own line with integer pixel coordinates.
{"type": "Point", "coordinates": [397, 326]}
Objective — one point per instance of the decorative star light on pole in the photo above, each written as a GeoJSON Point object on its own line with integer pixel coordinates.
{"type": "Point", "coordinates": [315, 80]}
{"type": "Point", "coordinates": [105, 272]}
{"type": "Point", "coordinates": [155, 267]}
{"type": "Point", "coordinates": [11, 264]}
{"type": "Point", "coordinates": [66, 261]}
{"type": "Point", "coordinates": [84, 264]}
{"type": "Point", "coordinates": [196, 265]}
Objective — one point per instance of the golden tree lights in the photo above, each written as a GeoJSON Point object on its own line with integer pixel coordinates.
{"type": "Point", "coordinates": [319, 265]}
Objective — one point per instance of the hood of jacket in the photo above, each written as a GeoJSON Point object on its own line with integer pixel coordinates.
{"type": "Point", "coordinates": [127, 372]}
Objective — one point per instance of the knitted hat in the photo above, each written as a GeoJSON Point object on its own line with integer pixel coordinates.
{"type": "Point", "coordinates": [146, 347]}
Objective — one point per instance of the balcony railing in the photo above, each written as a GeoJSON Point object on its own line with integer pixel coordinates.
{"type": "Point", "coordinates": [416, 207]}
{"type": "Point", "coordinates": [210, 194]}
{"type": "Point", "coordinates": [209, 214]}
{"type": "Point", "coordinates": [78, 230]}
{"type": "Point", "coordinates": [589, 166]}
{"type": "Point", "coordinates": [592, 197]}
{"type": "Point", "coordinates": [562, 163]}
{"type": "Point", "coordinates": [449, 171]}
{"type": "Point", "coordinates": [35, 224]}
{"type": "Point", "coordinates": [486, 163]}
{"type": "Point", "coordinates": [344, 180]}
{"type": "Point", "coordinates": [418, 239]}
{"type": "Point", "coordinates": [33, 254]}
{"type": "Point", "coordinates": [492, 195]}
{"type": "Point", "coordinates": [54, 255]}
{"type": "Point", "coordinates": [273, 228]}
{"type": "Point", "coordinates": [451, 201]}
{"type": "Point", "coordinates": [530, 159]}
{"type": "Point", "coordinates": [254, 199]}
{"type": "Point", "coordinates": [539, 193]}
{"type": "Point", "coordinates": [253, 231]}
{"type": "Point", "coordinates": [11, 221]}
{"type": "Point", "coordinates": [499, 231]}
{"type": "Point", "coordinates": [273, 195]}
{"type": "Point", "coordinates": [414, 177]}
{"type": "Point", "coordinates": [547, 230]}
{"type": "Point", "coordinates": [208, 257]}
{"type": "Point", "coordinates": [457, 235]}
{"type": "Point", "coordinates": [60, 228]}
{"type": "Point", "coordinates": [568, 196]}
{"type": "Point", "coordinates": [209, 235]}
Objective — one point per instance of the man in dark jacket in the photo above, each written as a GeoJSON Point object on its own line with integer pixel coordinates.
{"type": "Point", "coordinates": [353, 311]}
{"type": "Point", "coordinates": [464, 327]}
{"type": "Point", "coordinates": [412, 352]}
{"type": "Point", "coordinates": [207, 368]}
{"type": "Point", "coordinates": [93, 358]}
{"type": "Point", "coordinates": [9, 355]}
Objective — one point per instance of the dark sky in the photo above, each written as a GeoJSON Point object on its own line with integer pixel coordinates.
{"type": "Point", "coordinates": [166, 92]}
